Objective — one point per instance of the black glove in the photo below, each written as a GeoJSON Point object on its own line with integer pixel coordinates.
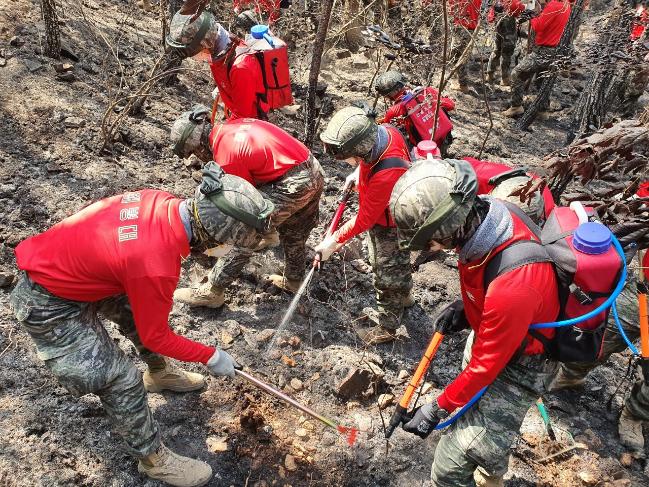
{"type": "Point", "coordinates": [452, 318]}
{"type": "Point", "coordinates": [422, 420]}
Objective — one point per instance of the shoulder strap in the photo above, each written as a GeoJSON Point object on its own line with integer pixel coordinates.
{"type": "Point", "coordinates": [516, 210]}
{"type": "Point", "coordinates": [388, 163]}
{"type": "Point", "coordinates": [514, 256]}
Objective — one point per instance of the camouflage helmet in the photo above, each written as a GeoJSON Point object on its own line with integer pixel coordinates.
{"type": "Point", "coordinates": [229, 209]}
{"type": "Point", "coordinates": [534, 206]}
{"type": "Point", "coordinates": [390, 83]}
{"type": "Point", "coordinates": [187, 131]}
{"type": "Point", "coordinates": [191, 36]}
{"type": "Point", "coordinates": [351, 132]}
{"type": "Point", "coordinates": [431, 201]}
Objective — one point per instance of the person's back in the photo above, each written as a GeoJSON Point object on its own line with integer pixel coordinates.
{"type": "Point", "coordinates": [256, 150]}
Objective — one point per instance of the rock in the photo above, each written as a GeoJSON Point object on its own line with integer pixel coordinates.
{"type": "Point", "coordinates": [233, 327]}
{"type": "Point", "coordinates": [621, 483]}
{"type": "Point", "coordinates": [426, 388]}
{"type": "Point", "coordinates": [63, 67]}
{"type": "Point", "coordinates": [264, 335]}
{"type": "Point", "coordinates": [32, 65]}
{"type": "Point", "coordinates": [281, 471]}
{"type": "Point", "coordinates": [289, 463]}
{"type": "Point", "coordinates": [68, 77]}
{"type": "Point", "coordinates": [294, 341]}
{"type": "Point", "coordinates": [588, 478]}
{"type": "Point", "coordinates": [6, 279]}
{"type": "Point", "coordinates": [626, 459]}
{"type": "Point", "coordinates": [260, 483]}
{"type": "Point", "coordinates": [16, 41]}
{"type": "Point", "coordinates": [359, 61]}
{"type": "Point", "coordinates": [296, 385]}
{"type": "Point", "coordinates": [290, 110]}
{"type": "Point", "coordinates": [217, 444]}
{"type": "Point", "coordinates": [74, 122]}
{"type": "Point", "coordinates": [226, 338]}
{"type": "Point", "coordinates": [197, 176]}
{"type": "Point", "coordinates": [385, 400]}
{"type": "Point", "coordinates": [192, 162]}
{"type": "Point", "coordinates": [301, 433]}
{"type": "Point", "coordinates": [53, 168]}
{"type": "Point", "coordinates": [342, 53]}
{"type": "Point", "coordinates": [355, 384]}
{"type": "Point", "coordinates": [403, 375]}
{"type": "Point", "coordinates": [288, 361]}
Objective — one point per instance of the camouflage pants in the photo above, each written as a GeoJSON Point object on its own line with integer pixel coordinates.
{"type": "Point", "coordinates": [461, 39]}
{"type": "Point", "coordinates": [627, 307]}
{"type": "Point", "coordinates": [392, 277]}
{"type": "Point", "coordinates": [296, 196]}
{"type": "Point", "coordinates": [483, 437]}
{"type": "Point", "coordinates": [77, 349]}
{"type": "Point", "coordinates": [633, 86]}
{"type": "Point", "coordinates": [504, 45]}
{"type": "Point", "coordinates": [535, 63]}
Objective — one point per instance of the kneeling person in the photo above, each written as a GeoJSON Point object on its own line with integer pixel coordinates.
{"type": "Point", "coordinates": [120, 257]}
{"type": "Point", "coordinates": [278, 165]}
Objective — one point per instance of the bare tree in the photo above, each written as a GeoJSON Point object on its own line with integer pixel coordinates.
{"type": "Point", "coordinates": [52, 31]}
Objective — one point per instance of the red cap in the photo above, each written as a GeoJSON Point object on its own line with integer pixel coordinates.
{"type": "Point", "coordinates": [426, 147]}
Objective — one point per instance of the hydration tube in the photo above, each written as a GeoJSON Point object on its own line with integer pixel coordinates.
{"type": "Point", "coordinates": [610, 302]}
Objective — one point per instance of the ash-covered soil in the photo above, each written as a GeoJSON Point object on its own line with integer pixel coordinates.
{"type": "Point", "coordinates": [51, 167]}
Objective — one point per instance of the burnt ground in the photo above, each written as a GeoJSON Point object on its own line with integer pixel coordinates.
{"type": "Point", "coordinates": [51, 167]}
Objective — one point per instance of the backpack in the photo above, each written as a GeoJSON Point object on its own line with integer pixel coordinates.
{"type": "Point", "coordinates": [275, 74]}
{"type": "Point", "coordinates": [384, 164]}
{"type": "Point", "coordinates": [420, 114]}
{"type": "Point", "coordinates": [587, 267]}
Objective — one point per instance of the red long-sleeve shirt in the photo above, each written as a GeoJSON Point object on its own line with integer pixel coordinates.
{"type": "Point", "coordinates": [240, 81]}
{"type": "Point", "coordinates": [501, 317]}
{"type": "Point", "coordinates": [128, 244]}
{"type": "Point", "coordinates": [486, 170]}
{"type": "Point", "coordinates": [511, 8]}
{"type": "Point", "coordinates": [399, 110]}
{"type": "Point", "coordinates": [374, 193]}
{"type": "Point", "coordinates": [255, 150]}
{"type": "Point", "coordinates": [639, 23]}
{"type": "Point", "coordinates": [550, 24]}
{"type": "Point", "coordinates": [465, 13]}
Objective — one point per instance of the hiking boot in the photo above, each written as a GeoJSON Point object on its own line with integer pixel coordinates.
{"type": "Point", "coordinates": [281, 282]}
{"type": "Point", "coordinates": [483, 479]}
{"type": "Point", "coordinates": [630, 430]}
{"type": "Point", "coordinates": [174, 469]}
{"type": "Point", "coordinates": [172, 378]}
{"type": "Point", "coordinates": [512, 112]}
{"type": "Point", "coordinates": [408, 301]}
{"type": "Point", "coordinates": [204, 295]}
{"type": "Point", "coordinates": [374, 335]}
{"type": "Point", "coordinates": [268, 241]}
{"type": "Point", "coordinates": [561, 381]}
{"type": "Point", "coordinates": [506, 81]}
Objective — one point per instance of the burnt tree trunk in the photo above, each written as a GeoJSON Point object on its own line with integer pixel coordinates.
{"type": "Point", "coordinates": [311, 117]}
{"type": "Point", "coordinates": [604, 81]}
{"type": "Point", "coordinates": [561, 55]}
{"type": "Point", "coordinates": [52, 31]}
{"type": "Point", "coordinates": [353, 32]}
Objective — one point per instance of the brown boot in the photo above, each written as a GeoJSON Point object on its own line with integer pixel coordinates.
{"type": "Point", "coordinates": [172, 378]}
{"type": "Point", "coordinates": [281, 282]}
{"type": "Point", "coordinates": [174, 469]}
{"type": "Point", "coordinates": [630, 430]}
{"type": "Point", "coordinates": [562, 381]}
{"type": "Point", "coordinates": [204, 295]}
{"type": "Point", "coordinates": [376, 334]}
{"type": "Point", "coordinates": [512, 112]}
{"type": "Point", "coordinates": [483, 479]}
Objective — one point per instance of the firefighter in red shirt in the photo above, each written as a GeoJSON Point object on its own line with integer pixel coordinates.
{"type": "Point", "coordinates": [278, 165]}
{"type": "Point", "coordinates": [406, 101]}
{"type": "Point", "coordinates": [120, 257]}
{"type": "Point", "coordinates": [380, 154]}
{"type": "Point", "coordinates": [548, 27]}
{"type": "Point", "coordinates": [504, 13]}
{"type": "Point", "coordinates": [465, 15]}
{"type": "Point", "coordinates": [238, 77]}
{"type": "Point", "coordinates": [636, 76]}
{"type": "Point", "coordinates": [435, 206]}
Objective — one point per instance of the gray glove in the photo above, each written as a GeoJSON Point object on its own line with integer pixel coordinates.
{"type": "Point", "coordinates": [222, 364]}
{"type": "Point", "coordinates": [424, 419]}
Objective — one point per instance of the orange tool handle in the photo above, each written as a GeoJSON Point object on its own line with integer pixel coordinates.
{"type": "Point", "coordinates": [421, 369]}
{"type": "Point", "coordinates": [642, 309]}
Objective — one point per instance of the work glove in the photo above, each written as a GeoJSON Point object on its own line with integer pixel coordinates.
{"type": "Point", "coordinates": [327, 247]}
{"type": "Point", "coordinates": [423, 420]}
{"type": "Point", "coordinates": [352, 180]}
{"type": "Point", "coordinates": [452, 319]}
{"type": "Point", "coordinates": [222, 364]}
